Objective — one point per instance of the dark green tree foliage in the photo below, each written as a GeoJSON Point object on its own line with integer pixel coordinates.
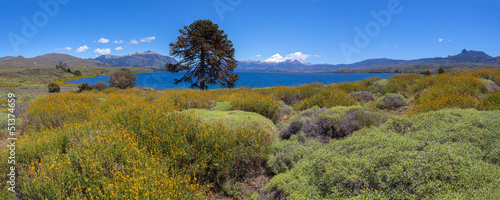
{"type": "Point", "coordinates": [53, 87]}
{"type": "Point", "coordinates": [77, 73]}
{"type": "Point", "coordinates": [441, 70]}
{"type": "Point", "coordinates": [427, 73]}
{"type": "Point", "coordinates": [84, 86]}
{"type": "Point", "coordinates": [207, 56]}
{"type": "Point", "coordinates": [122, 79]}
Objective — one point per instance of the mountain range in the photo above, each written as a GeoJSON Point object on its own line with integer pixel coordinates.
{"type": "Point", "coordinates": [47, 60]}
{"type": "Point", "coordinates": [150, 59]}
{"type": "Point", "coordinates": [463, 60]}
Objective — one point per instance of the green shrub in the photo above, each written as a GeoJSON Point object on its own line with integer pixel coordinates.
{"type": "Point", "coordinates": [427, 73]}
{"type": "Point", "coordinates": [491, 143]}
{"type": "Point", "coordinates": [325, 124]}
{"type": "Point", "coordinates": [56, 110]}
{"type": "Point", "coordinates": [187, 99]}
{"type": "Point", "coordinates": [210, 150]}
{"type": "Point", "coordinates": [390, 101]}
{"type": "Point", "coordinates": [84, 87]}
{"type": "Point", "coordinates": [285, 153]}
{"type": "Point", "coordinates": [363, 96]}
{"type": "Point", "coordinates": [100, 85]}
{"type": "Point", "coordinates": [234, 119]}
{"type": "Point", "coordinates": [289, 95]}
{"type": "Point", "coordinates": [327, 98]}
{"type": "Point", "coordinates": [441, 70]}
{"type": "Point", "coordinates": [222, 106]}
{"type": "Point", "coordinates": [77, 73]}
{"type": "Point", "coordinates": [400, 84]}
{"type": "Point", "coordinates": [492, 100]}
{"type": "Point", "coordinates": [434, 155]}
{"type": "Point", "coordinates": [53, 87]}
{"type": "Point", "coordinates": [285, 112]}
{"type": "Point", "coordinates": [350, 87]}
{"type": "Point", "coordinates": [122, 79]}
{"type": "Point", "coordinates": [310, 90]}
{"type": "Point", "coordinates": [3, 121]}
{"type": "Point", "coordinates": [255, 102]}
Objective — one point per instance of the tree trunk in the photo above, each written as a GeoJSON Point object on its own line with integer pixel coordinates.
{"type": "Point", "coordinates": [202, 69]}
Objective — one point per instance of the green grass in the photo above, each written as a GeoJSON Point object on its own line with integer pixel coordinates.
{"type": "Point", "coordinates": [222, 106]}
{"type": "Point", "coordinates": [234, 119]}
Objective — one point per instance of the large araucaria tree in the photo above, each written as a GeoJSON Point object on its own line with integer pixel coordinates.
{"type": "Point", "coordinates": [206, 55]}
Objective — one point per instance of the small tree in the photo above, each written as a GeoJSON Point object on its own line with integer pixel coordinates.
{"type": "Point", "coordinates": [77, 73]}
{"type": "Point", "coordinates": [53, 87]}
{"type": "Point", "coordinates": [122, 79]}
{"type": "Point", "coordinates": [427, 73]}
{"type": "Point", "coordinates": [100, 85]}
{"type": "Point", "coordinates": [441, 70]}
{"type": "Point", "coordinates": [84, 86]}
{"type": "Point", "coordinates": [207, 56]}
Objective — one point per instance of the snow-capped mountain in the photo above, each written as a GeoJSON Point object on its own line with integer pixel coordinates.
{"type": "Point", "coordinates": [277, 58]}
{"type": "Point", "coordinates": [287, 65]}
{"type": "Point", "coordinates": [278, 63]}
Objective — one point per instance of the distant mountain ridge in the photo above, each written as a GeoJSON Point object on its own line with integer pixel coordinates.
{"type": "Point", "coordinates": [148, 59]}
{"type": "Point", "coordinates": [464, 60]}
{"type": "Point", "coordinates": [47, 60]}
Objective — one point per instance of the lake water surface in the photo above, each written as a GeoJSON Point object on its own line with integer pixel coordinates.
{"type": "Point", "coordinates": [165, 80]}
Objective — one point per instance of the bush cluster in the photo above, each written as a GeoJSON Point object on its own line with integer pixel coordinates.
{"type": "Point", "coordinates": [122, 79]}
{"type": "Point", "coordinates": [328, 97]}
{"type": "Point", "coordinates": [363, 96]}
{"type": "Point", "coordinates": [84, 87]}
{"type": "Point", "coordinates": [254, 102]}
{"type": "Point", "coordinates": [100, 85]}
{"type": "Point", "coordinates": [390, 101]}
{"type": "Point", "coordinates": [437, 158]}
{"type": "Point", "coordinates": [325, 124]}
{"type": "Point", "coordinates": [53, 87]}
{"type": "Point", "coordinates": [184, 144]}
{"type": "Point", "coordinates": [135, 144]}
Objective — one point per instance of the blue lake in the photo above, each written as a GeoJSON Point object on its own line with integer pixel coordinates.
{"type": "Point", "coordinates": [165, 80]}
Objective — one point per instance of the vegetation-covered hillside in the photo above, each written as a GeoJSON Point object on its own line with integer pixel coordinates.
{"type": "Point", "coordinates": [405, 137]}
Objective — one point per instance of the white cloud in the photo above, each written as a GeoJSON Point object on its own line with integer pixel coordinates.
{"type": "Point", "coordinates": [258, 55]}
{"type": "Point", "coordinates": [148, 39]}
{"type": "Point", "coordinates": [298, 56]}
{"type": "Point", "coordinates": [118, 41]}
{"type": "Point", "coordinates": [60, 49]}
{"type": "Point", "coordinates": [294, 56]}
{"type": "Point", "coordinates": [317, 56]}
{"type": "Point", "coordinates": [103, 40]}
{"type": "Point", "coordinates": [81, 49]}
{"type": "Point", "coordinates": [102, 51]}
{"type": "Point", "coordinates": [134, 41]}
{"type": "Point", "coordinates": [441, 39]}
{"type": "Point", "coordinates": [119, 48]}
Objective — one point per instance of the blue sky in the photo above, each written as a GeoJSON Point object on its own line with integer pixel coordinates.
{"type": "Point", "coordinates": [323, 31]}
